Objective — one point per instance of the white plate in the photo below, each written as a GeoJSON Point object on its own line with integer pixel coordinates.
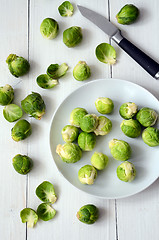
{"type": "Point", "coordinates": [145, 158]}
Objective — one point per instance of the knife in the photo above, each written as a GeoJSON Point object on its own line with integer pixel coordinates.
{"type": "Point", "coordinates": [111, 30]}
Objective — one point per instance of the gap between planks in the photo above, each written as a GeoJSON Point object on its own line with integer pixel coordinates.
{"type": "Point", "coordinates": [111, 76]}
{"type": "Point", "coordinates": [28, 51]}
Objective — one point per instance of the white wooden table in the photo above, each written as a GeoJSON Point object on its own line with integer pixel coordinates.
{"type": "Point", "coordinates": [135, 217]}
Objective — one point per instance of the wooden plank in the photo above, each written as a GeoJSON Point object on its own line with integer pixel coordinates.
{"type": "Point", "coordinates": [44, 52]}
{"type": "Point", "coordinates": [137, 215]}
{"type": "Point", "coordinates": [13, 24]}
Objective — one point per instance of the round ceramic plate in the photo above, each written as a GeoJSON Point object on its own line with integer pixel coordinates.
{"type": "Point", "coordinates": [145, 158]}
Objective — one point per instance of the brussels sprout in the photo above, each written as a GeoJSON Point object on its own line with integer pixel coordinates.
{"type": "Point", "coordinates": [120, 149]}
{"type": "Point", "coordinates": [66, 9]}
{"type": "Point", "coordinates": [104, 126]}
{"type": "Point", "coordinates": [128, 14]}
{"type": "Point", "coordinates": [56, 71]}
{"type": "Point", "coordinates": [18, 66]}
{"type": "Point", "coordinates": [69, 152]}
{"type": "Point", "coordinates": [86, 141]}
{"type": "Point", "coordinates": [46, 212]}
{"type": "Point", "coordinates": [72, 36]}
{"type": "Point", "coordinates": [22, 164]}
{"type": "Point", "coordinates": [131, 128]}
{"type": "Point", "coordinates": [89, 123]}
{"type": "Point", "coordinates": [46, 193]}
{"type": "Point", "coordinates": [21, 130]}
{"type": "Point", "coordinates": [147, 117]}
{"type": "Point", "coordinates": [69, 133]}
{"type": "Point", "coordinates": [128, 110]}
{"type": "Point", "coordinates": [126, 171]}
{"type": "Point", "coordinates": [34, 105]}
{"type": "Point", "coordinates": [29, 216]}
{"type": "Point", "coordinates": [99, 160]}
{"type": "Point", "coordinates": [81, 71]}
{"type": "Point", "coordinates": [88, 214]}
{"type": "Point", "coordinates": [150, 136]}
{"type": "Point", "coordinates": [49, 28]}
{"type": "Point", "coordinates": [76, 115]}
{"type": "Point", "coordinates": [12, 112]}
{"type": "Point", "coordinates": [106, 53]}
{"type": "Point", "coordinates": [6, 95]}
{"type": "Point", "coordinates": [87, 174]}
{"type": "Point", "coordinates": [104, 105]}
{"type": "Point", "coordinates": [44, 81]}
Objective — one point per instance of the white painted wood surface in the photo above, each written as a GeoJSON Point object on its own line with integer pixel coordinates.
{"type": "Point", "coordinates": [131, 218]}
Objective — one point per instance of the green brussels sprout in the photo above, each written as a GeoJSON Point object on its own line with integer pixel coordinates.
{"type": "Point", "coordinates": [69, 133]}
{"type": "Point", "coordinates": [22, 164]}
{"type": "Point", "coordinates": [81, 71]}
{"type": "Point", "coordinates": [72, 36]}
{"type": "Point", "coordinates": [6, 95]}
{"type": "Point", "coordinates": [89, 123]}
{"type": "Point", "coordinates": [46, 192]}
{"type": "Point", "coordinates": [104, 105]}
{"type": "Point", "coordinates": [87, 174]}
{"type": "Point", "coordinates": [128, 110]}
{"type": "Point", "coordinates": [131, 128]}
{"type": "Point", "coordinates": [126, 171]}
{"type": "Point", "coordinates": [99, 160]}
{"type": "Point", "coordinates": [106, 53]}
{"type": "Point", "coordinates": [104, 126]}
{"type": "Point", "coordinates": [128, 14]}
{"type": "Point", "coordinates": [46, 212]}
{"type": "Point", "coordinates": [56, 71]}
{"type": "Point", "coordinates": [147, 117]}
{"type": "Point", "coordinates": [66, 9]}
{"type": "Point", "coordinates": [21, 130]}
{"type": "Point", "coordinates": [18, 66]}
{"type": "Point", "coordinates": [86, 141]}
{"type": "Point", "coordinates": [34, 105]}
{"type": "Point", "coordinates": [29, 216]}
{"type": "Point", "coordinates": [120, 149]}
{"type": "Point", "coordinates": [46, 82]}
{"type": "Point", "coordinates": [12, 112]}
{"type": "Point", "coordinates": [49, 28]}
{"type": "Point", "coordinates": [76, 115]}
{"type": "Point", "coordinates": [88, 214]}
{"type": "Point", "coordinates": [69, 152]}
{"type": "Point", "coordinates": [150, 136]}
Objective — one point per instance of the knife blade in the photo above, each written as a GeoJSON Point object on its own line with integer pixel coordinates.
{"type": "Point", "coordinates": [111, 30]}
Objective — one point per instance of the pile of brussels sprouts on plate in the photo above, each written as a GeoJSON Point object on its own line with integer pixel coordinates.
{"type": "Point", "coordinates": [81, 136]}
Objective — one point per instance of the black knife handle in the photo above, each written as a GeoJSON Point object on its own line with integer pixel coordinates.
{"type": "Point", "coordinates": [140, 57]}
